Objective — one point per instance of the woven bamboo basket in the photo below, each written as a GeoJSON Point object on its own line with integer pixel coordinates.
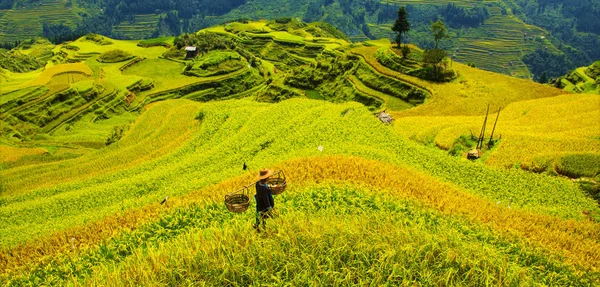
{"type": "Point", "coordinates": [238, 201]}
{"type": "Point", "coordinates": [277, 182]}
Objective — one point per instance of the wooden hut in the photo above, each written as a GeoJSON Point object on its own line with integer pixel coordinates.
{"type": "Point", "coordinates": [191, 52]}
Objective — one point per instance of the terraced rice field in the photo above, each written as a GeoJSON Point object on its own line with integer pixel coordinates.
{"type": "Point", "coordinates": [141, 28]}
{"type": "Point", "coordinates": [434, 206]}
{"type": "Point", "coordinates": [545, 128]}
{"type": "Point", "coordinates": [23, 23]}
{"type": "Point", "coordinates": [111, 184]}
{"type": "Point", "coordinates": [499, 45]}
{"type": "Point", "coordinates": [578, 81]}
{"type": "Point", "coordinates": [23, 94]}
{"type": "Point", "coordinates": [391, 102]}
{"type": "Point", "coordinates": [469, 94]}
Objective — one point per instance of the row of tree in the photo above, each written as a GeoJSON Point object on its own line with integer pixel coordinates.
{"type": "Point", "coordinates": [452, 14]}
{"type": "Point", "coordinates": [119, 9]}
{"type": "Point", "coordinates": [433, 58]}
{"type": "Point", "coordinates": [10, 45]}
{"type": "Point", "coordinates": [457, 16]}
{"type": "Point", "coordinates": [402, 26]}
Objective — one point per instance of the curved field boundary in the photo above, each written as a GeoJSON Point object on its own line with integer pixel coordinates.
{"type": "Point", "coordinates": [52, 126]}
{"type": "Point", "coordinates": [47, 75]}
{"type": "Point", "coordinates": [131, 63]}
{"type": "Point", "coordinates": [302, 59]}
{"type": "Point", "coordinates": [246, 93]}
{"type": "Point", "coordinates": [22, 94]}
{"type": "Point", "coordinates": [386, 71]}
{"type": "Point", "coordinates": [223, 32]}
{"type": "Point", "coordinates": [205, 81]}
{"type": "Point", "coordinates": [54, 89]}
{"type": "Point", "coordinates": [38, 99]}
{"type": "Point", "coordinates": [375, 72]}
{"type": "Point", "coordinates": [72, 72]}
{"type": "Point", "coordinates": [391, 102]}
{"type": "Point", "coordinates": [168, 126]}
{"type": "Point", "coordinates": [259, 36]}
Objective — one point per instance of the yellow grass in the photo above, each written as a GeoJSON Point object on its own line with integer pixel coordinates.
{"type": "Point", "coordinates": [9, 153]}
{"type": "Point", "coordinates": [469, 94]}
{"type": "Point", "coordinates": [577, 241]}
{"type": "Point", "coordinates": [110, 193]}
{"type": "Point", "coordinates": [130, 46]}
{"type": "Point", "coordinates": [145, 145]}
{"type": "Point", "coordinates": [542, 127]}
{"type": "Point", "coordinates": [10, 81]}
{"type": "Point", "coordinates": [43, 76]}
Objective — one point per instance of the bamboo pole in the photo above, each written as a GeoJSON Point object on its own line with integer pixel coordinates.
{"type": "Point", "coordinates": [482, 133]}
{"type": "Point", "coordinates": [493, 129]}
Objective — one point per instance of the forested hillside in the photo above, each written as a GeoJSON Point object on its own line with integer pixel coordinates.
{"type": "Point", "coordinates": [574, 29]}
{"type": "Point", "coordinates": [522, 38]}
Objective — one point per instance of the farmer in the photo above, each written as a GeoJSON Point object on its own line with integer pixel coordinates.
{"type": "Point", "coordinates": [264, 199]}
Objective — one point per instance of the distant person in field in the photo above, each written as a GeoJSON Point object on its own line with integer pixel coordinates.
{"type": "Point", "coordinates": [264, 199]}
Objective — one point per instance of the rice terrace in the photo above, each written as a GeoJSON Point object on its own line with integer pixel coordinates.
{"type": "Point", "coordinates": [278, 151]}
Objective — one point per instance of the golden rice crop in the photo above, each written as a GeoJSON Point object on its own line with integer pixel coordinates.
{"type": "Point", "coordinates": [111, 201]}
{"type": "Point", "coordinates": [529, 129]}
{"type": "Point", "coordinates": [512, 224]}
{"type": "Point", "coordinates": [50, 72]}
{"type": "Point", "coordinates": [157, 136]}
{"type": "Point", "coordinates": [368, 207]}
{"type": "Point", "coordinates": [9, 153]}
{"type": "Point", "coordinates": [469, 94]}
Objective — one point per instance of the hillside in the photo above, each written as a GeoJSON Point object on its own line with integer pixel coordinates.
{"type": "Point", "coordinates": [580, 80]}
{"type": "Point", "coordinates": [94, 142]}
{"type": "Point", "coordinates": [503, 36]}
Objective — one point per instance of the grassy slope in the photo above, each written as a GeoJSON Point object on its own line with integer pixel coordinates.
{"type": "Point", "coordinates": [501, 35]}
{"type": "Point", "coordinates": [570, 122]}
{"type": "Point", "coordinates": [497, 45]}
{"type": "Point", "coordinates": [530, 129]}
{"type": "Point", "coordinates": [580, 81]}
{"type": "Point", "coordinates": [380, 202]}
{"type": "Point", "coordinates": [92, 188]}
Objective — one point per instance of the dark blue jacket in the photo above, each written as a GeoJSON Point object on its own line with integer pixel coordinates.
{"type": "Point", "coordinates": [263, 197]}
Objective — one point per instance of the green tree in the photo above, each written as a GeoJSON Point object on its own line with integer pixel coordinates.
{"type": "Point", "coordinates": [401, 26]}
{"type": "Point", "coordinates": [439, 31]}
{"type": "Point", "coordinates": [544, 78]}
{"type": "Point", "coordinates": [435, 58]}
{"type": "Point", "coordinates": [405, 51]}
